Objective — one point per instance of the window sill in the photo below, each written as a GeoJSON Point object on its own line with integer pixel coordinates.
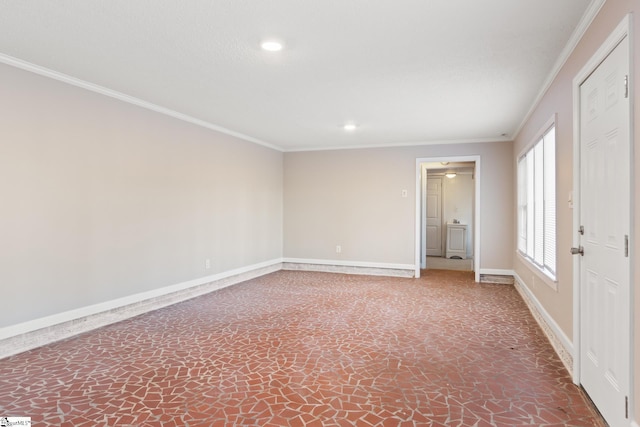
{"type": "Point", "coordinates": [540, 274]}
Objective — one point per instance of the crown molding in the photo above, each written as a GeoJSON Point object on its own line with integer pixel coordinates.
{"type": "Point", "coordinates": [46, 72]}
{"type": "Point", "coordinates": [586, 20]}
{"type": "Point", "coordinates": [400, 144]}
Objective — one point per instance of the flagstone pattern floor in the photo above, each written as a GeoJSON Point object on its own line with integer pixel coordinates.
{"type": "Point", "coordinates": [308, 349]}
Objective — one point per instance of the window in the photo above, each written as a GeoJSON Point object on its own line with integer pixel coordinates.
{"type": "Point", "coordinates": [537, 203]}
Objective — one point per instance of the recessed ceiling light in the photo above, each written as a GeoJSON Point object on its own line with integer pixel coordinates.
{"type": "Point", "coordinates": [271, 45]}
{"type": "Point", "coordinates": [350, 127]}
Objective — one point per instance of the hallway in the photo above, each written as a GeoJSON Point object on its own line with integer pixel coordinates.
{"type": "Point", "coordinates": [308, 349]}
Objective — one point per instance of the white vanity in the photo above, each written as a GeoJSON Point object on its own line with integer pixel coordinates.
{"type": "Point", "coordinates": [456, 240]}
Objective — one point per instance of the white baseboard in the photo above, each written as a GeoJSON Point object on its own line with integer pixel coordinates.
{"type": "Point", "coordinates": [558, 339]}
{"type": "Point", "coordinates": [349, 267]}
{"type": "Point", "coordinates": [497, 272]}
{"type": "Point", "coordinates": [35, 333]}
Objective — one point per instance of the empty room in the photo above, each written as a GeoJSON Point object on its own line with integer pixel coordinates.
{"type": "Point", "coordinates": [319, 213]}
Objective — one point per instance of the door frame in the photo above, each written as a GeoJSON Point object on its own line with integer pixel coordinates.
{"type": "Point", "coordinates": [622, 30]}
{"type": "Point", "coordinates": [476, 210]}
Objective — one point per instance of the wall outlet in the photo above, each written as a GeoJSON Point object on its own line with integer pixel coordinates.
{"type": "Point", "coordinates": [207, 264]}
{"type": "Point", "coordinates": [338, 249]}
{"type": "Point", "coordinates": [404, 193]}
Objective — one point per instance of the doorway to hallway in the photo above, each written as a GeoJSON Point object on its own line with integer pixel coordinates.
{"type": "Point", "coordinates": [447, 212]}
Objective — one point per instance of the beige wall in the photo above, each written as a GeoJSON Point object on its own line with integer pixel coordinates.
{"type": "Point", "coordinates": [353, 198]}
{"type": "Point", "coordinates": [559, 100]}
{"type": "Point", "coordinates": [102, 199]}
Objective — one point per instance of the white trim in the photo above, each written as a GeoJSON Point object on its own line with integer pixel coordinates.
{"type": "Point", "coordinates": [62, 325]}
{"type": "Point", "coordinates": [586, 20]}
{"type": "Point", "coordinates": [37, 69]}
{"type": "Point", "coordinates": [633, 231]}
{"type": "Point", "coordinates": [344, 263]}
{"type": "Point", "coordinates": [497, 272]}
{"type": "Point", "coordinates": [545, 275]}
{"type": "Point", "coordinates": [538, 136]}
{"type": "Point", "coordinates": [74, 81]}
{"type": "Point", "coordinates": [558, 339]}
{"type": "Point", "coordinates": [55, 75]}
{"type": "Point", "coordinates": [418, 217]}
{"type": "Point", "coordinates": [341, 267]}
{"type": "Point", "coordinates": [584, 23]}
{"type": "Point", "coordinates": [424, 178]}
{"type": "Point", "coordinates": [476, 214]}
{"type": "Point", "coordinates": [624, 29]}
{"type": "Point", "coordinates": [402, 144]}
{"type": "Point", "coordinates": [90, 310]}
{"type": "Point", "coordinates": [540, 274]}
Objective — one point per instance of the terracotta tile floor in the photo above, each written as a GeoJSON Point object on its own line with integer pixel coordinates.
{"type": "Point", "coordinates": [308, 349]}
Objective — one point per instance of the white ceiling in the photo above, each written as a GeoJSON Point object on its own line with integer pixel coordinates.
{"type": "Point", "coordinates": [405, 71]}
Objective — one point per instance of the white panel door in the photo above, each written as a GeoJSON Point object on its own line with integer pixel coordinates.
{"type": "Point", "coordinates": [434, 216]}
{"type": "Point", "coordinates": [605, 215]}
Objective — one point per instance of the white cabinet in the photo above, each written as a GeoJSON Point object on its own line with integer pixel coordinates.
{"type": "Point", "coordinates": [456, 240]}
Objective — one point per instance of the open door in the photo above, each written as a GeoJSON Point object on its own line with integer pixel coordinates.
{"type": "Point", "coordinates": [434, 217]}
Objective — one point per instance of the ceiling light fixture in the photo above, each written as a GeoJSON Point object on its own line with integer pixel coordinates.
{"type": "Point", "coordinates": [350, 127]}
{"type": "Point", "coordinates": [271, 45]}
{"type": "Point", "coordinates": [450, 174]}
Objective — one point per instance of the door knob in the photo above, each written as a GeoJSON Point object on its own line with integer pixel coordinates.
{"type": "Point", "coordinates": [578, 250]}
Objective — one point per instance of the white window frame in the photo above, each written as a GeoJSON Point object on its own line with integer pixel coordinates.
{"type": "Point", "coordinates": [537, 202]}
